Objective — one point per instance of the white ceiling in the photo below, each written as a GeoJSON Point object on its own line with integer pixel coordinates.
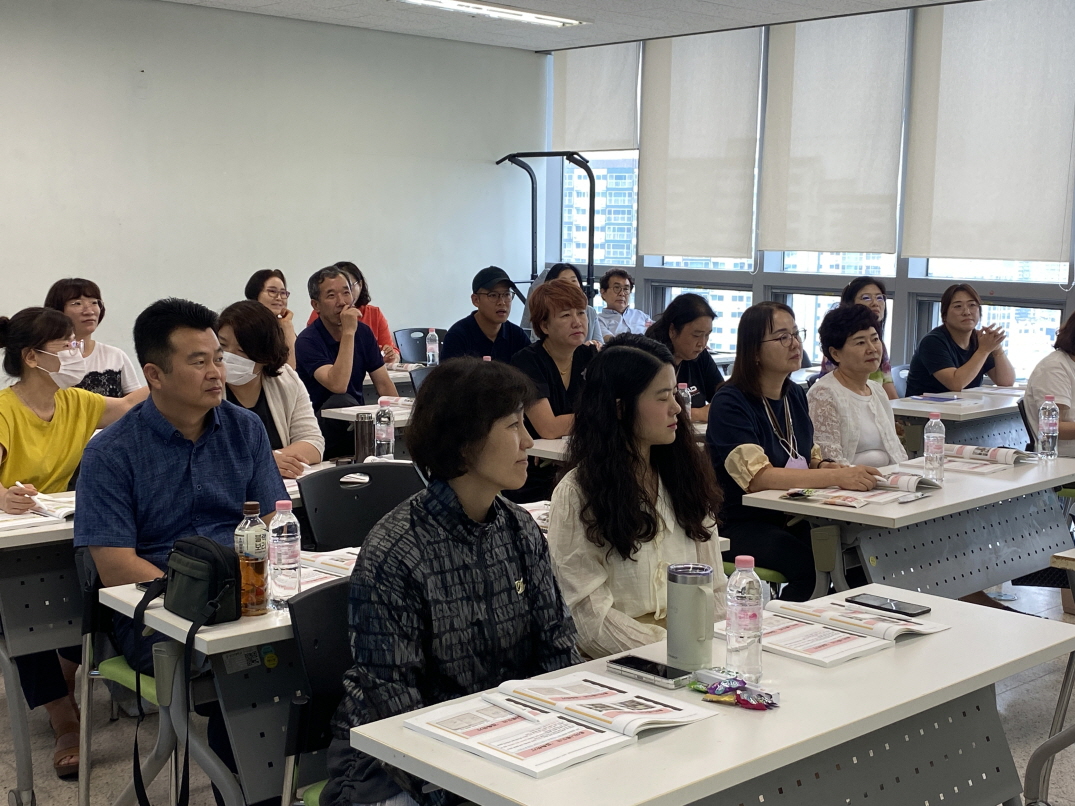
{"type": "Point", "coordinates": [607, 21]}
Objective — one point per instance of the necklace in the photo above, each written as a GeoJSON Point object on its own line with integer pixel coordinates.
{"type": "Point", "coordinates": [42, 414]}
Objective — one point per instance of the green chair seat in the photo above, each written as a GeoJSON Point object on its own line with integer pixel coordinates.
{"type": "Point", "coordinates": [1067, 492]}
{"type": "Point", "coordinates": [311, 796]}
{"type": "Point", "coordinates": [764, 574]}
{"type": "Point", "coordinates": [117, 670]}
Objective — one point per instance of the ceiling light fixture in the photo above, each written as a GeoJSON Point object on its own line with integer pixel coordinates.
{"type": "Point", "coordinates": [497, 12]}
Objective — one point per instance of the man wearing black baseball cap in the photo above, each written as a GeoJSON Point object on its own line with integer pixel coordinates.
{"type": "Point", "coordinates": [487, 331]}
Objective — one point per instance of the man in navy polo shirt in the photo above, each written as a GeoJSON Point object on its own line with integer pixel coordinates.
{"type": "Point", "coordinates": [181, 463]}
{"type": "Point", "coordinates": [487, 331]}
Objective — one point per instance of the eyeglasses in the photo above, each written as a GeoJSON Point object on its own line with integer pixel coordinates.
{"type": "Point", "coordinates": [278, 293]}
{"type": "Point", "coordinates": [330, 297]}
{"type": "Point", "coordinates": [503, 296]}
{"type": "Point", "coordinates": [77, 344]}
{"type": "Point", "coordinates": [865, 298]}
{"type": "Point", "coordinates": [785, 339]}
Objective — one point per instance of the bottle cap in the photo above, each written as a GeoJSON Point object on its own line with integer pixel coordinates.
{"type": "Point", "coordinates": [487, 358]}
{"type": "Point", "coordinates": [384, 402]}
{"type": "Point", "coordinates": [283, 506]}
{"type": "Point", "coordinates": [1050, 398]}
{"type": "Point", "coordinates": [681, 386]}
{"type": "Point", "coordinates": [432, 330]}
{"type": "Point", "coordinates": [251, 508]}
{"type": "Point", "coordinates": [935, 415]}
{"type": "Point", "coordinates": [744, 561]}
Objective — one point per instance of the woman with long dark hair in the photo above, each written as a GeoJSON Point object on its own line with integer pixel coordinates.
{"type": "Point", "coordinates": [956, 354]}
{"type": "Point", "coordinates": [639, 496]}
{"type": "Point", "coordinates": [760, 438]}
{"type": "Point", "coordinates": [871, 293]}
{"type": "Point", "coordinates": [684, 328]}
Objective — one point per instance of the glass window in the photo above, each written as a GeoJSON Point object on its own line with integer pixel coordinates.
{"type": "Point", "coordinates": [810, 309]}
{"type": "Point", "coordinates": [1031, 332]}
{"type": "Point", "coordinates": [615, 213]}
{"type": "Point", "coordinates": [840, 263]}
{"type": "Point", "coordinates": [1005, 271]}
{"type": "Point", "coordinates": [719, 263]}
{"type": "Point", "coordinates": [723, 303]}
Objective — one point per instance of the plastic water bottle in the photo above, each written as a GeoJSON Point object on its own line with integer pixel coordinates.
{"type": "Point", "coordinates": [744, 614]}
{"type": "Point", "coordinates": [1048, 428]}
{"type": "Point", "coordinates": [384, 430]}
{"type": "Point", "coordinates": [284, 548]}
{"type": "Point", "coordinates": [252, 546]}
{"type": "Point", "coordinates": [933, 448]}
{"type": "Point", "coordinates": [684, 397]}
{"type": "Point", "coordinates": [432, 348]}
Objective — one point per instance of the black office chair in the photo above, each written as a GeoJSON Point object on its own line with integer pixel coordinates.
{"type": "Point", "coordinates": [319, 620]}
{"type": "Point", "coordinates": [899, 379]}
{"type": "Point", "coordinates": [412, 344]}
{"type": "Point", "coordinates": [342, 514]}
{"type": "Point", "coordinates": [418, 377]}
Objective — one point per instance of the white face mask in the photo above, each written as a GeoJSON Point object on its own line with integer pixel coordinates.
{"type": "Point", "coordinates": [240, 370]}
{"type": "Point", "coordinates": [72, 368]}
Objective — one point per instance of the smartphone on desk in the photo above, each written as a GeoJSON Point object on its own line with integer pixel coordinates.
{"type": "Point", "coordinates": [144, 586]}
{"type": "Point", "coordinates": [649, 671]}
{"type": "Point", "coordinates": [889, 605]}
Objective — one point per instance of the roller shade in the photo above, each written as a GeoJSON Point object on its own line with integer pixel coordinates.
{"type": "Point", "coordinates": [595, 98]}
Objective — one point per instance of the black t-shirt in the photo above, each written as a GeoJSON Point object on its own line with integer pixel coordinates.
{"type": "Point", "coordinates": [736, 419]}
{"type": "Point", "coordinates": [702, 378]}
{"type": "Point", "coordinates": [542, 370]}
{"type": "Point", "coordinates": [261, 409]}
{"type": "Point", "coordinates": [465, 337]}
{"type": "Point", "coordinates": [938, 351]}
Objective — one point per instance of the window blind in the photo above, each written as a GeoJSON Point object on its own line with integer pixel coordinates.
{"type": "Point", "coordinates": [595, 98]}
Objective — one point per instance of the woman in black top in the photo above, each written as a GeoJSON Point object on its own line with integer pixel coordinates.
{"type": "Point", "coordinates": [760, 438]}
{"type": "Point", "coordinates": [955, 355]}
{"type": "Point", "coordinates": [555, 363]}
{"type": "Point", "coordinates": [684, 328]}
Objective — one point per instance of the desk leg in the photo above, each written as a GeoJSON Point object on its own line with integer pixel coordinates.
{"type": "Point", "coordinates": [23, 794]}
{"type": "Point", "coordinates": [828, 559]}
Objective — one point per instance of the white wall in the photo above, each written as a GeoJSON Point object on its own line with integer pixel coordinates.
{"type": "Point", "coordinates": [167, 149]}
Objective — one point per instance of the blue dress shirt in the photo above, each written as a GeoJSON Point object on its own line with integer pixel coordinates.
{"type": "Point", "coordinates": [143, 485]}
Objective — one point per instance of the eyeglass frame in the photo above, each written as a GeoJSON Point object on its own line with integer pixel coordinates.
{"type": "Point", "coordinates": [278, 293]}
{"type": "Point", "coordinates": [799, 334]}
{"type": "Point", "coordinates": [498, 296]}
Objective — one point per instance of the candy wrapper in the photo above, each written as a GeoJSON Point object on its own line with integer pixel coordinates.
{"type": "Point", "coordinates": [724, 686]}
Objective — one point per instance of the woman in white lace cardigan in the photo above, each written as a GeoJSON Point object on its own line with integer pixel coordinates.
{"type": "Point", "coordinates": [853, 422]}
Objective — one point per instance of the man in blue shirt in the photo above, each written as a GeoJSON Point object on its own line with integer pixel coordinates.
{"type": "Point", "coordinates": [487, 331]}
{"type": "Point", "coordinates": [179, 464]}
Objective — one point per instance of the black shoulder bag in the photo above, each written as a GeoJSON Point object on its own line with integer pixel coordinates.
{"type": "Point", "coordinates": [203, 585]}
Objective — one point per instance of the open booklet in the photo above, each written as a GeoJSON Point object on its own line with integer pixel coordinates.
{"type": "Point", "coordinates": [978, 459]}
{"type": "Point", "coordinates": [539, 727]}
{"type": "Point", "coordinates": [829, 633]}
{"type": "Point", "coordinates": [339, 563]}
{"type": "Point", "coordinates": [890, 487]}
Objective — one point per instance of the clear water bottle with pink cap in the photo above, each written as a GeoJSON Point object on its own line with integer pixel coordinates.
{"type": "Point", "coordinates": [285, 543]}
{"type": "Point", "coordinates": [744, 615]}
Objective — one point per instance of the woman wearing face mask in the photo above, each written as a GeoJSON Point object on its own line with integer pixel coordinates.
{"type": "Point", "coordinates": [45, 423]}
{"type": "Point", "coordinates": [109, 370]}
{"type": "Point", "coordinates": [259, 379]}
{"type": "Point", "coordinates": [684, 328]}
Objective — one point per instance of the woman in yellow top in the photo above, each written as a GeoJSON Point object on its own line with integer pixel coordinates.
{"type": "Point", "coordinates": [44, 426]}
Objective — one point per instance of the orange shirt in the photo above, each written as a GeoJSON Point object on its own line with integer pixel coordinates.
{"type": "Point", "coordinates": [376, 322]}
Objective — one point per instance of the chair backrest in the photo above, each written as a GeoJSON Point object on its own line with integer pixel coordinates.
{"type": "Point", "coordinates": [418, 377]}
{"type": "Point", "coordinates": [320, 622]}
{"type": "Point", "coordinates": [412, 343]}
{"type": "Point", "coordinates": [1031, 431]}
{"type": "Point", "coordinates": [812, 380]}
{"type": "Point", "coordinates": [342, 514]}
{"type": "Point", "coordinates": [899, 379]}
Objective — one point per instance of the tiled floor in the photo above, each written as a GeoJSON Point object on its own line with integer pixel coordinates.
{"type": "Point", "coordinates": [1026, 703]}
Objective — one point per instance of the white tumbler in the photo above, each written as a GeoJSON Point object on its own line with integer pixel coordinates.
{"type": "Point", "coordinates": [690, 616]}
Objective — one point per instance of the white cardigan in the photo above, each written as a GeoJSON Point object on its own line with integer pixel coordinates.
{"type": "Point", "coordinates": [834, 414]}
{"type": "Point", "coordinates": [289, 404]}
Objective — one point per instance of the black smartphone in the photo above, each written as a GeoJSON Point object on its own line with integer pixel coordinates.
{"type": "Point", "coordinates": [649, 671]}
{"type": "Point", "coordinates": [891, 605]}
{"type": "Point", "coordinates": [144, 585]}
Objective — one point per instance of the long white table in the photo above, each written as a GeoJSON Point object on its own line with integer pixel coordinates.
{"type": "Point", "coordinates": [556, 449]}
{"type": "Point", "coordinates": [912, 725]}
{"type": "Point", "coordinates": [994, 422]}
{"type": "Point", "coordinates": [402, 414]}
{"type": "Point", "coordinates": [975, 532]}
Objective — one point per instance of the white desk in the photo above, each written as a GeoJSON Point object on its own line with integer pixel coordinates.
{"type": "Point", "coordinates": [350, 413]}
{"type": "Point", "coordinates": [995, 422]}
{"type": "Point", "coordinates": [918, 714]}
{"type": "Point", "coordinates": [41, 609]}
{"type": "Point", "coordinates": [975, 532]}
{"type": "Point", "coordinates": [556, 449]}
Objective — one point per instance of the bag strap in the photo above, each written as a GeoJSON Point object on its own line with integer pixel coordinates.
{"type": "Point", "coordinates": [204, 616]}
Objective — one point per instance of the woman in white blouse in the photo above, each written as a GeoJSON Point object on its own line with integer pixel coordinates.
{"type": "Point", "coordinates": [640, 495]}
{"type": "Point", "coordinates": [1055, 375]}
{"type": "Point", "coordinates": [853, 422]}
{"type": "Point", "coordinates": [259, 379]}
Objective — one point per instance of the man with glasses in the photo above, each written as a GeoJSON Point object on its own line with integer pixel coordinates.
{"type": "Point", "coordinates": [487, 331]}
{"type": "Point", "coordinates": [335, 353]}
{"type": "Point", "coordinates": [617, 317]}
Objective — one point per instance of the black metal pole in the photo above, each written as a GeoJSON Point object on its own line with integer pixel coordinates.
{"type": "Point", "coordinates": [514, 160]}
{"type": "Point", "coordinates": [582, 162]}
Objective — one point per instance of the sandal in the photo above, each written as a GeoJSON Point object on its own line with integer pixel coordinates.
{"type": "Point", "coordinates": [66, 747]}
